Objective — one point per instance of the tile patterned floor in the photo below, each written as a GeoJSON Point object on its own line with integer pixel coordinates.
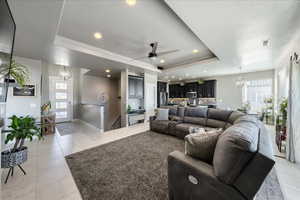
{"type": "Point", "coordinates": [49, 178]}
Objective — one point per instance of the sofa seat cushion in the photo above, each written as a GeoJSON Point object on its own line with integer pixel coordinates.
{"type": "Point", "coordinates": [215, 123]}
{"type": "Point", "coordinates": [175, 118]}
{"type": "Point", "coordinates": [235, 148]}
{"type": "Point", "coordinates": [160, 126]}
{"type": "Point", "coordinates": [182, 129]}
{"type": "Point", "coordinates": [164, 126]}
{"type": "Point", "coordinates": [195, 120]}
{"type": "Point", "coordinates": [201, 145]}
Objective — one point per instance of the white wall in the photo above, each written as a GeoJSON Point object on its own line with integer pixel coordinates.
{"type": "Point", "coordinates": [228, 95]}
{"type": "Point", "coordinates": [22, 106]}
{"type": "Point", "coordinates": [124, 97]}
{"type": "Point", "coordinates": [150, 93]}
{"type": "Point", "coordinates": [282, 75]}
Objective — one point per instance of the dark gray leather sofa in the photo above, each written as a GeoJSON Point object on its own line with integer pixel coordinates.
{"type": "Point", "coordinates": [241, 162]}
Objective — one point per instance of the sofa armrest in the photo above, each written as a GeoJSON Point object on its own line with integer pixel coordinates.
{"type": "Point", "coordinates": [190, 178]}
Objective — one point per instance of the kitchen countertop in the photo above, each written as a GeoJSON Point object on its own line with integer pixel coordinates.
{"type": "Point", "coordinates": [136, 112]}
{"type": "Point", "coordinates": [92, 104]}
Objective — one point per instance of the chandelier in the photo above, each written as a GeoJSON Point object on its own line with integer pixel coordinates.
{"type": "Point", "coordinates": [241, 81]}
{"type": "Point", "coordinates": [65, 73]}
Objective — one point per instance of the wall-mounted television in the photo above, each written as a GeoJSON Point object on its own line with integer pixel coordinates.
{"type": "Point", "coordinates": [7, 37]}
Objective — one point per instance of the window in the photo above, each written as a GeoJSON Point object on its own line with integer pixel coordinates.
{"type": "Point", "coordinates": [255, 93]}
{"type": "Point", "coordinates": [61, 86]}
{"type": "Point", "coordinates": [61, 105]}
{"type": "Point", "coordinates": [62, 114]}
{"type": "Point", "coordinates": [61, 95]}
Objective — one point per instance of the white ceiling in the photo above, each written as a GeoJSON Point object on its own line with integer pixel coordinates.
{"type": "Point", "coordinates": [129, 30]}
{"type": "Point", "coordinates": [231, 30]}
{"type": "Point", "coordinates": [234, 31]}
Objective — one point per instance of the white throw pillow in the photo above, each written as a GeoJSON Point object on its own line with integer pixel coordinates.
{"type": "Point", "coordinates": [162, 114]}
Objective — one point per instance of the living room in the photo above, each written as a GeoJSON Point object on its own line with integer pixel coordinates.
{"type": "Point", "coordinates": [140, 99]}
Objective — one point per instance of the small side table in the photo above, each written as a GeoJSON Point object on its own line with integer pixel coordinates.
{"type": "Point", "coordinates": [48, 124]}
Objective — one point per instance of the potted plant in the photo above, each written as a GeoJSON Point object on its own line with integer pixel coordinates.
{"type": "Point", "coordinates": [20, 129]}
{"type": "Point", "coordinates": [129, 109]}
{"type": "Point", "coordinates": [16, 71]}
{"type": "Point", "coordinates": [283, 110]}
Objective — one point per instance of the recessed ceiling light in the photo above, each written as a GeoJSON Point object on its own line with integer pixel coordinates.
{"type": "Point", "coordinates": [187, 74]}
{"type": "Point", "coordinates": [131, 2]}
{"type": "Point", "coordinates": [162, 61]}
{"type": "Point", "coordinates": [195, 51]}
{"type": "Point", "coordinates": [108, 75]}
{"type": "Point", "coordinates": [98, 35]}
{"type": "Point", "coordinates": [173, 77]}
{"type": "Point", "coordinates": [204, 71]}
{"type": "Point", "coordinates": [107, 70]}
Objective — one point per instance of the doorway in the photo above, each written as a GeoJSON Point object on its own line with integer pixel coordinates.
{"type": "Point", "coordinates": [61, 97]}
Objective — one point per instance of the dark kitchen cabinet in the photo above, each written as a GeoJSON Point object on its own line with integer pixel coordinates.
{"type": "Point", "coordinates": [201, 90]}
{"type": "Point", "coordinates": [171, 91]}
{"type": "Point", "coordinates": [162, 87]}
{"type": "Point", "coordinates": [210, 87]}
{"type": "Point", "coordinates": [135, 87]}
{"type": "Point", "coordinates": [205, 90]}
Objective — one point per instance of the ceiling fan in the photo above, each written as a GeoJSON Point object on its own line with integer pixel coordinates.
{"type": "Point", "coordinates": [154, 54]}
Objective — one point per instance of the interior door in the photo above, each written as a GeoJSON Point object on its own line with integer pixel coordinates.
{"type": "Point", "coordinates": [61, 97]}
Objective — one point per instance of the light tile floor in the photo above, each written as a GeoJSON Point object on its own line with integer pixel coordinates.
{"type": "Point", "coordinates": [49, 178]}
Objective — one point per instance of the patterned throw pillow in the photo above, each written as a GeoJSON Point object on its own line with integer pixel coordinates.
{"type": "Point", "coordinates": [201, 146]}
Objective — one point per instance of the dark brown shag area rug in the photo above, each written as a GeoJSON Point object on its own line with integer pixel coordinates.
{"type": "Point", "coordinates": [135, 168]}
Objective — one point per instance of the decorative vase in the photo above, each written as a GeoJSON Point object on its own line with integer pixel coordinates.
{"type": "Point", "coordinates": [11, 159]}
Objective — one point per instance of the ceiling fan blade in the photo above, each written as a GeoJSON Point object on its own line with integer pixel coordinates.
{"type": "Point", "coordinates": [140, 58]}
{"type": "Point", "coordinates": [167, 52]}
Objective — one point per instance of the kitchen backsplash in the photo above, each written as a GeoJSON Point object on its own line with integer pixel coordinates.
{"type": "Point", "coordinates": [201, 100]}
{"type": "Point", "coordinates": [136, 103]}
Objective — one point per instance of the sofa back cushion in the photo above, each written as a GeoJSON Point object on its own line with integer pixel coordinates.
{"type": "Point", "coordinates": [181, 111]}
{"type": "Point", "coordinates": [195, 115]}
{"type": "Point", "coordinates": [201, 145]}
{"type": "Point", "coordinates": [196, 112]}
{"type": "Point", "coordinates": [260, 165]}
{"type": "Point", "coordinates": [217, 118]}
{"type": "Point", "coordinates": [235, 148]}
{"type": "Point", "coordinates": [195, 120]}
{"type": "Point", "coordinates": [234, 116]}
{"type": "Point", "coordinates": [173, 110]}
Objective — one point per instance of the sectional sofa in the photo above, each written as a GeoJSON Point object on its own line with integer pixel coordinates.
{"type": "Point", "coordinates": [241, 161]}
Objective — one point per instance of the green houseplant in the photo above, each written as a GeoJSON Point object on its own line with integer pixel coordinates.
{"type": "Point", "coordinates": [20, 129]}
{"type": "Point", "coordinates": [283, 110]}
{"type": "Point", "coordinates": [16, 71]}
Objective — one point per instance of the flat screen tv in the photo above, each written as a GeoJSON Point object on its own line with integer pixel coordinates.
{"type": "Point", "coordinates": [7, 36]}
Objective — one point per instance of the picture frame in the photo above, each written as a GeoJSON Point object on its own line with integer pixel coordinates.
{"type": "Point", "coordinates": [25, 91]}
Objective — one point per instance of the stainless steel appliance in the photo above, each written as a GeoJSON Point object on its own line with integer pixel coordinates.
{"type": "Point", "coordinates": [163, 99]}
{"type": "Point", "coordinates": [192, 98]}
